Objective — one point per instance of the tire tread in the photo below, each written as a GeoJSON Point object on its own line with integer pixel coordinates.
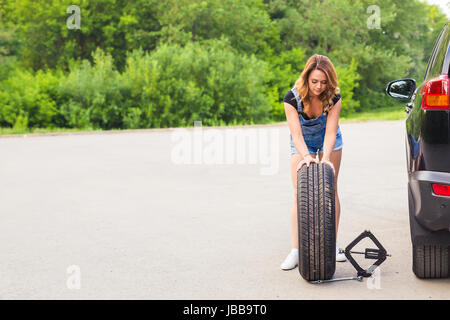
{"type": "Point", "coordinates": [431, 261]}
{"type": "Point", "coordinates": [316, 219]}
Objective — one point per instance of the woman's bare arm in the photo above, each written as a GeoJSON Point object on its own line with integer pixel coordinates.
{"type": "Point", "coordinates": [295, 129]}
{"type": "Point", "coordinates": [331, 130]}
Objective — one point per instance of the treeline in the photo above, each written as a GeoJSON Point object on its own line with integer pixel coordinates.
{"type": "Point", "coordinates": [151, 64]}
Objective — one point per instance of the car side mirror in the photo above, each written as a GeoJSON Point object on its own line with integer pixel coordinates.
{"type": "Point", "coordinates": [402, 89]}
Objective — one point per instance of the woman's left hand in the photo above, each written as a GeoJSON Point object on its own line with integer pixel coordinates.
{"type": "Point", "coordinates": [326, 161]}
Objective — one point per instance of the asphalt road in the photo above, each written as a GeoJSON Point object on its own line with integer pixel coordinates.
{"type": "Point", "coordinates": [131, 216]}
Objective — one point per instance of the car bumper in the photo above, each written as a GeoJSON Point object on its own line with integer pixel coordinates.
{"type": "Point", "coordinates": [430, 210]}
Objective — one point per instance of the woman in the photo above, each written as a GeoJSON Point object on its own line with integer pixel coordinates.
{"type": "Point", "coordinates": [312, 110]}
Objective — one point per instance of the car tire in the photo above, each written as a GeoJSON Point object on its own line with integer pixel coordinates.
{"type": "Point", "coordinates": [316, 222]}
{"type": "Point", "coordinates": [430, 261]}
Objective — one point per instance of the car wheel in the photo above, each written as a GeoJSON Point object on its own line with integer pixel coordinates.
{"type": "Point", "coordinates": [316, 222]}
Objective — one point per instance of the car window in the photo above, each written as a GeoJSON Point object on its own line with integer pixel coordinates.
{"type": "Point", "coordinates": [430, 60]}
{"type": "Point", "coordinates": [446, 65]}
{"type": "Point", "coordinates": [434, 68]}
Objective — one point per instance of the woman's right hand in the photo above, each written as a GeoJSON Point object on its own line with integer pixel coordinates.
{"type": "Point", "coordinates": [306, 160]}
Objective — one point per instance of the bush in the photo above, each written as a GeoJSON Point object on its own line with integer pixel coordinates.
{"type": "Point", "coordinates": [93, 95]}
{"type": "Point", "coordinates": [29, 100]}
{"type": "Point", "coordinates": [348, 81]}
{"type": "Point", "coordinates": [284, 70]}
{"type": "Point", "coordinates": [208, 81]}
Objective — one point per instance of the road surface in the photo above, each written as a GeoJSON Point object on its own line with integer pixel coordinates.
{"type": "Point", "coordinates": [140, 215]}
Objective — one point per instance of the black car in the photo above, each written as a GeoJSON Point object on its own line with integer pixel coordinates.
{"type": "Point", "coordinates": [428, 161]}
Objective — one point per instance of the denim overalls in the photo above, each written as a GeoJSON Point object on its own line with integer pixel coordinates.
{"type": "Point", "coordinates": [314, 130]}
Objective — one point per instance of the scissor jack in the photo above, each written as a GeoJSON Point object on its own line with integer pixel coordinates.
{"type": "Point", "coordinates": [379, 254]}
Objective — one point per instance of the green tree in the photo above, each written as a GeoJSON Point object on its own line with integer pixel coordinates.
{"type": "Point", "coordinates": [340, 30]}
{"type": "Point", "coordinates": [245, 23]}
{"type": "Point", "coordinates": [116, 26]}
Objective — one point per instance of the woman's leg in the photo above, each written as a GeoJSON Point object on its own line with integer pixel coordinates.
{"type": "Point", "coordinates": [295, 159]}
{"type": "Point", "coordinates": [335, 159]}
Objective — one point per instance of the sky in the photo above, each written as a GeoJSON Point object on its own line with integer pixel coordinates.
{"type": "Point", "coordinates": [443, 4]}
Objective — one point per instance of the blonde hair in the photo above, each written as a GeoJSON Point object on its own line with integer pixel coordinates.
{"type": "Point", "coordinates": [324, 64]}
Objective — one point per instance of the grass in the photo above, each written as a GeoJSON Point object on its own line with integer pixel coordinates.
{"type": "Point", "coordinates": [378, 115]}
{"type": "Point", "coordinates": [5, 131]}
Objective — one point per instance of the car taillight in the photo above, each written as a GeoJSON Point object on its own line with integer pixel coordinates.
{"type": "Point", "coordinates": [435, 94]}
{"type": "Point", "coordinates": [441, 189]}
